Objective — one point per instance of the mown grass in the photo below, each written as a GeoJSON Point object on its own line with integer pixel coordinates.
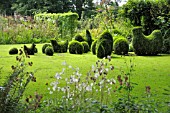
{"type": "Point", "coordinates": [153, 71]}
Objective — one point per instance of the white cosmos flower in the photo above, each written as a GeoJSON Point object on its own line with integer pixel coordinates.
{"type": "Point", "coordinates": [96, 75]}
{"type": "Point", "coordinates": [69, 66]}
{"type": "Point", "coordinates": [89, 88]}
{"type": "Point", "coordinates": [51, 92]}
{"type": "Point", "coordinates": [57, 76]}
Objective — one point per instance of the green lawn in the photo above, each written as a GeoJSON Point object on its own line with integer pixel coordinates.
{"type": "Point", "coordinates": [151, 71]}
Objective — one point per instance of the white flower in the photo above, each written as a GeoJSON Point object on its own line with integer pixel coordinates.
{"type": "Point", "coordinates": [89, 88]}
{"type": "Point", "coordinates": [48, 88]}
{"type": "Point", "coordinates": [96, 75]}
{"type": "Point", "coordinates": [107, 69]}
{"type": "Point", "coordinates": [69, 66]}
{"type": "Point", "coordinates": [51, 92]}
{"type": "Point", "coordinates": [57, 76]}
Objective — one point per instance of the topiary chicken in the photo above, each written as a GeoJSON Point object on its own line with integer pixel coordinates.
{"type": "Point", "coordinates": [147, 45]}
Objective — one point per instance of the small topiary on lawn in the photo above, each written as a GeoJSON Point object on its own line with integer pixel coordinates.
{"type": "Point", "coordinates": [49, 51]}
{"type": "Point", "coordinates": [75, 47]}
{"type": "Point", "coordinates": [121, 46]}
{"type": "Point", "coordinates": [63, 46]}
{"type": "Point", "coordinates": [13, 51]}
{"type": "Point", "coordinates": [45, 46]}
{"type": "Point", "coordinates": [79, 38]}
{"type": "Point", "coordinates": [93, 47]}
{"type": "Point", "coordinates": [85, 47]}
{"type": "Point", "coordinates": [147, 45]}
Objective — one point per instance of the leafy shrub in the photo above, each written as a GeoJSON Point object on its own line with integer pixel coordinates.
{"type": "Point", "coordinates": [85, 46]}
{"type": "Point", "coordinates": [147, 45]}
{"type": "Point", "coordinates": [117, 37]}
{"type": "Point", "coordinates": [166, 42]}
{"type": "Point", "coordinates": [35, 50]}
{"type": "Point", "coordinates": [75, 47]}
{"type": "Point", "coordinates": [30, 50]}
{"type": "Point", "coordinates": [45, 46]}
{"type": "Point", "coordinates": [104, 45]}
{"type": "Point", "coordinates": [13, 51]}
{"type": "Point", "coordinates": [121, 46]}
{"type": "Point", "coordinates": [49, 51]}
{"type": "Point", "coordinates": [89, 38]}
{"type": "Point", "coordinates": [79, 38]}
{"type": "Point", "coordinates": [131, 48]}
{"type": "Point", "coordinates": [93, 47]}
{"type": "Point", "coordinates": [59, 47]}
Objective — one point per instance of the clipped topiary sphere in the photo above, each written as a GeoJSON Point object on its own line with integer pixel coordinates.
{"type": "Point", "coordinates": [85, 46]}
{"type": "Point", "coordinates": [93, 47]}
{"type": "Point", "coordinates": [63, 46]}
{"type": "Point", "coordinates": [79, 38]}
{"type": "Point", "coordinates": [13, 51]}
{"type": "Point", "coordinates": [121, 46]}
{"type": "Point", "coordinates": [75, 47]}
{"type": "Point", "coordinates": [45, 46]}
{"type": "Point", "coordinates": [49, 51]}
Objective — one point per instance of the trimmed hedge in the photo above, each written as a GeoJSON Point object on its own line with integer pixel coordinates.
{"type": "Point", "coordinates": [75, 47]}
{"type": "Point", "coordinates": [121, 46]}
{"type": "Point", "coordinates": [13, 51]}
{"type": "Point", "coordinates": [49, 51]}
{"type": "Point", "coordinates": [45, 46]}
{"type": "Point", "coordinates": [147, 45]}
{"type": "Point", "coordinates": [79, 38]}
{"type": "Point", "coordinates": [93, 47]}
{"type": "Point", "coordinates": [104, 45]}
{"type": "Point", "coordinates": [85, 46]}
{"type": "Point", "coordinates": [59, 47]}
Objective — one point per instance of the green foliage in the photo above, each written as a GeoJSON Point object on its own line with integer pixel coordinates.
{"type": "Point", "coordinates": [85, 47]}
{"type": "Point", "coordinates": [147, 45]}
{"type": "Point", "coordinates": [121, 46]}
{"type": "Point", "coordinates": [166, 42]}
{"type": "Point", "coordinates": [44, 47]}
{"type": "Point", "coordinates": [131, 49]}
{"type": "Point", "coordinates": [117, 37]}
{"type": "Point", "coordinates": [65, 22]}
{"type": "Point", "coordinates": [59, 47]}
{"type": "Point", "coordinates": [49, 51]}
{"type": "Point", "coordinates": [104, 45]}
{"type": "Point", "coordinates": [35, 50]}
{"type": "Point", "coordinates": [13, 89]}
{"type": "Point", "coordinates": [13, 51]}
{"type": "Point", "coordinates": [88, 37]}
{"type": "Point", "coordinates": [79, 38]}
{"type": "Point", "coordinates": [75, 47]}
{"type": "Point", "coordinates": [93, 47]}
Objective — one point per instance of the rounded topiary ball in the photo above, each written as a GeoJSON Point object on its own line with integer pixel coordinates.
{"type": "Point", "coordinates": [121, 46]}
{"type": "Point", "coordinates": [79, 38]}
{"type": "Point", "coordinates": [85, 46]}
{"type": "Point", "coordinates": [93, 47]}
{"type": "Point", "coordinates": [49, 51]}
{"type": "Point", "coordinates": [45, 46]}
{"type": "Point", "coordinates": [13, 51]}
{"type": "Point", "coordinates": [76, 47]}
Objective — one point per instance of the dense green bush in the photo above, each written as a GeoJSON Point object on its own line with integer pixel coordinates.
{"type": "Point", "coordinates": [89, 38]}
{"type": "Point", "coordinates": [44, 47]}
{"type": "Point", "coordinates": [35, 50]}
{"type": "Point", "coordinates": [104, 45]}
{"type": "Point", "coordinates": [131, 48]}
{"type": "Point", "coordinates": [59, 47]}
{"type": "Point", "coordinates": [93, 47]}
{"type": "Point", "coordinates": [85, 47]}
{"type": "Point", "coordinates": [103, 48]}
{"type": "Point", "coordinates": [147, 45]}
{"type": "Point", "coordinates": [75, 47]}
{"type": "Point", "coordinates": [13, 51]}
{"type": "Point", "coordinates": [117, 37]}
{"type": "Point", "coordinates": [121, 46]}
{"type": "Point", "coordinates": [79, 38]}
{"type": "Point", "coordinates": [166, 42]}
{"type": "Point", "coordinates": [49, 51]}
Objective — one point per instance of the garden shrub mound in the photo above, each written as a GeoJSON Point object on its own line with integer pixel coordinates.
{"type": "Point", "coordinates": [93, 47]}
{"type": "Point", "coordinates": [45, 46]}
{"type": "Point", "coordinates": [147, 45]}
{"type": "Point", "coordinates": [49, 51]}
{"type": "Point", "coordinates": [30, 50]}
{"type": "Point", "coordinates": [85, 46]}
{"type": "Point", "coordinates": [13, 51]}
{"type": "Point", "coordinates": [104, 45]}
{"type": "Point", "coordinates": [75, 47]}
{"type": "Point", "coordinates": [59, 47]}
{"type": "Point", "coordinates": [89, 38]}
{"type": "Point", "coordinates": [131, 48]}
{"type": "Point", "coordinates": [79, 38]}
{"type": "Point", "coordinates": [121, 46]}
{"type": "Point", "coordinates": [166, 42]}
